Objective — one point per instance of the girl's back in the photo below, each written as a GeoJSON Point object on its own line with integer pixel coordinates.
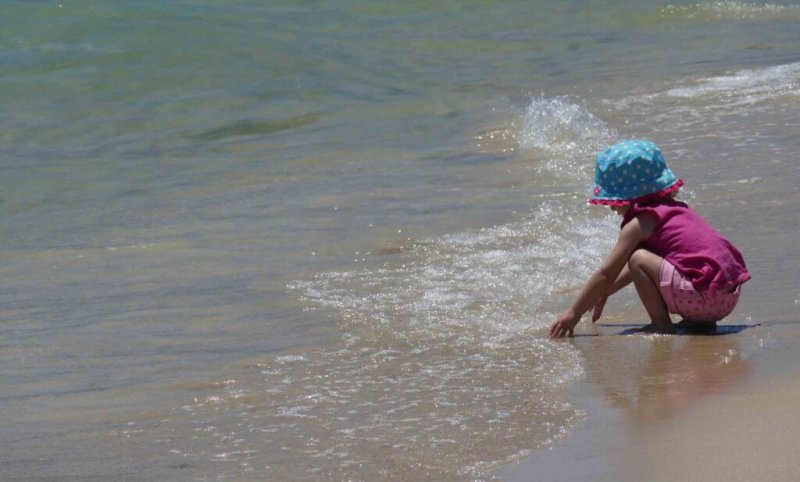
{"type": "Point", "coordinates": [692, 245]}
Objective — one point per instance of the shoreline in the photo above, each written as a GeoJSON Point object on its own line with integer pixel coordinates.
{"type": "Point", "coordinates": [734, 418]}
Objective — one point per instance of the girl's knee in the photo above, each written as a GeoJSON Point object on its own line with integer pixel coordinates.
{"type": "Point", "coordinates": [639, 258]}
{"type": "Point", "coordinates": [645, 261]}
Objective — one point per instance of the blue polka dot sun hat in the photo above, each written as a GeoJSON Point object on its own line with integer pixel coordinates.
{"type": "Point", "coordinates": [632, 171]}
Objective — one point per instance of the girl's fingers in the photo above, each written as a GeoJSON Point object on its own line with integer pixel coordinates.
{"type": "Point", "coordinates": [561, 329]}
{"type": "Point", "coordinates": [598, 309]}
{"type": "Point", "coordinates": [558, 330]}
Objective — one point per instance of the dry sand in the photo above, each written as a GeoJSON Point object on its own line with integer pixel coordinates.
{"type": "Point", "coordinates": [710, 408]}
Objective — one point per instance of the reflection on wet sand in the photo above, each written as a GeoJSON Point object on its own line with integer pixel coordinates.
{"type": "Point", "coordinates": [667, 408]}
{"type": "Point", "coordinates": [654, 378]}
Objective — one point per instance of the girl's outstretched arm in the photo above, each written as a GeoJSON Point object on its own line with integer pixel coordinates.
{"type": "Point", "coordinates": [623, 280]}
{"type": "Point", "coordinates": [606, 277]}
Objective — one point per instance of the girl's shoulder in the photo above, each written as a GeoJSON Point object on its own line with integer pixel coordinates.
{"type": "Point", "coordinates": [666, 205]}
{"type": "Point", "coordinates": [660, 209]}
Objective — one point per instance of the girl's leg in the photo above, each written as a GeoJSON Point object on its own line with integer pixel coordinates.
{"type": "Point", "coordinates": [645, 268]}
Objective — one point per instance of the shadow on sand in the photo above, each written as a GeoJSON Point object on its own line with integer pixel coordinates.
{"type": "Point", "coordinates": [683, 329]}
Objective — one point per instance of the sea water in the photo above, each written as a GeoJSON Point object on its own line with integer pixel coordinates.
{"type": "Point", "coordinates": [301, 240]}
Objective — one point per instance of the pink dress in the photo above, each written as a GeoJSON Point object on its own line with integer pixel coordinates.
{"type": "Point", "coordinates": [702, 272]}
{"type": "Point", "coordinates": [692, 245]}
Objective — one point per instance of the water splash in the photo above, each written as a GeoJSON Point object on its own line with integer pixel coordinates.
{"type": "Point", "coordinates": [567, 132]}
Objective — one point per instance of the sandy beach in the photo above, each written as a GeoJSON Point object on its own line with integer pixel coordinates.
{"type": "Point", "coordinates": [708, 408]}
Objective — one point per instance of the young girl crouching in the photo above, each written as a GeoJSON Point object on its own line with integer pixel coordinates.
{"type": "Point", "coordinates": [676, 260]}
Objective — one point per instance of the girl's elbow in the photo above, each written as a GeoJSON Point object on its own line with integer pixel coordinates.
{"type": "Point", "coordinates": [607, 274]}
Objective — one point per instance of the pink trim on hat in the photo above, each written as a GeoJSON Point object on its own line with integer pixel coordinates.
{"type": "Point", "coordinates": [627, 202]}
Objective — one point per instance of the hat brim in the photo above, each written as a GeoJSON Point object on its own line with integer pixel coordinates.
{"type": "Point", "coordinates": [627, 202]}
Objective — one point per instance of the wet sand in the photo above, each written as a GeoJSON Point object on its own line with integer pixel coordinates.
{"type": "Point", "coordinates": [693, 407]}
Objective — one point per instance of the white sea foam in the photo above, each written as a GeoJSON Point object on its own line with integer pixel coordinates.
{"type": "Point", "coordinates": [474, 278]}
{"type": "Point", "coordinates": [290, 358]}
{"type": "Point", "coordinates": [749, 86]}
{"type": "Point", "coordinates": [711, 98]}
{"type": "Point", "coordinates": [727, 10]}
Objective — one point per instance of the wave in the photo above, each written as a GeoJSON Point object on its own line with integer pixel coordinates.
{"type": "Point", "coordinates": [249, 127]}
{"type": "Point", "coordinates": [497, 280]}
{"type": "Point", "coordinates": [729, 10]}
{"type": "Point", "coordinates": [747, 85]}
{"type": "Point", "coordinates": [724, 93]}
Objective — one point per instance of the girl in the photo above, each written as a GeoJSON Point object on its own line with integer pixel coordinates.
{"type": "Point", "coordinates": [677, 261]}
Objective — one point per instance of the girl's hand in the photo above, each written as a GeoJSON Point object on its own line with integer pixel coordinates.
{"type": "Point", "coordinates": [598, 308]}
{"type": "Point", "coordinates": [564, 325]}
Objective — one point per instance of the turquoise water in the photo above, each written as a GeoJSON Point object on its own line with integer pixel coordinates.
{"type": "Point", "coordinates": [292, 240]}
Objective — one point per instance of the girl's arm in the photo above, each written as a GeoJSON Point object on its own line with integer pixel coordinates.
{"type": "Point", "coordinates": [623, 280]}
{"type": "Point", "coordinates": [606, 277]}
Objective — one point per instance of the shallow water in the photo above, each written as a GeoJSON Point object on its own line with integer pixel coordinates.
{"type": "Point", "coordinates": [296, 240]}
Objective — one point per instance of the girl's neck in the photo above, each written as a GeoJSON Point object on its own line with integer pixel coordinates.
{"type": "Point", "coordinates": [621, 210]}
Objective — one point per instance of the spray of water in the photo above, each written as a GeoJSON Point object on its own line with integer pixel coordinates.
{"type": "Point", "coordinates": [568, 134]}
